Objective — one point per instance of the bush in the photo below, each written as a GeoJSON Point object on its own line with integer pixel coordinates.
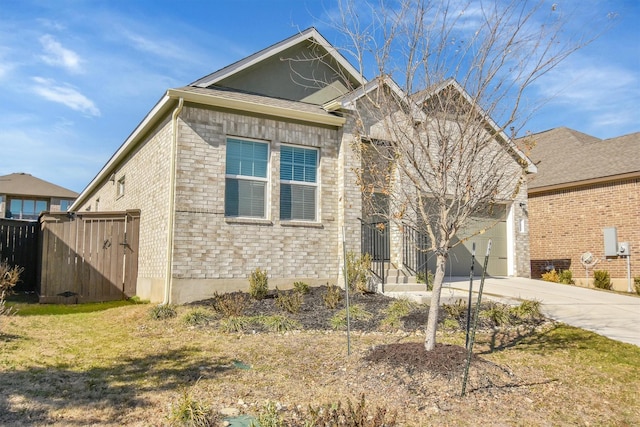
{"type": "Point", "coordinates": [636, 284]}
{"type": "Point", "coordinates": [497, 314]}
{"type": "Point", "coordinates": [396, 311]}
{"type": "Point", "coordinates": [551, 276]}
{"type": "Point", "coordinates": [291, 302]}
{"type": "Point", "coordinates": [197, 317]}
{"type": "Point", "coordinates": [456, 310]}
{"type": "Point", "coordinates": [428, 279]}
{"type": "Point", "coordinates": [358, 416]}
{"type": "Point", "coordinates": [332, 297]}
{"type": "Point", "coordinates": [230, 304]}
{"type": "Point", "coordinates": [566, 277]}
{"type": "Point", "coordinates": [279, 323]}
{"type": "Point", "coordinates": [269, 416]}
{"type": "Point", "coordinates": [356, 312]}
{"type": "Point", "coordinates": [602, 280]}
{"type": "Point", "coordinates": [9, 276]}
{"type": "Point", "coordinates": [528, 309]}
{"type": "Point", "coordinates": [190, 412]}
{"type": "Point", "coordinates": [358, 272]}
{"type": "Point", "coordinates": [234, 323]}
{"type": "Point", "coordinates": [163, 311]}
{"type": "Point", "coordinates": [301, 288]}
{"type": "Point", "coordinates": [258, 284]}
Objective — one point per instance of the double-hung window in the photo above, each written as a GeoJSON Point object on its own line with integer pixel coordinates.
{"type": "Point", "coordinates": [298, 183]}
{"type": "Point", "coordinates": [246, 178]}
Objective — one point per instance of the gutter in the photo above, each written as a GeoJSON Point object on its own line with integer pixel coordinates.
{"type": "Point", "coordinates": [168, 281]}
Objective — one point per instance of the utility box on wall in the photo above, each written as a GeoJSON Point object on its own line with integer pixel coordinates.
{"type": "Point", "coordinates": [610, 241]}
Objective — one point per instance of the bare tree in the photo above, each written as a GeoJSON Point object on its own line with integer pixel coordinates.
{"type": "Point", "coordinates": [435, 144]}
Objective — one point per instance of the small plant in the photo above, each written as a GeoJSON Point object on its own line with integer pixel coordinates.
{"type": "Point", "coordinates": [551, 276]}
{"type": "Point", "coordinates": [9, 276]}
{"type": "Point", "coordinates": [190, 412]}
{"type": "Point", "coordinates": [358, 416]}
{"type": "Point", "coordinates": [332, 297]}
{"type": "Point", "coordinates": [197, 317]}
{"type": "Point", "coordinates": [636, 284]}
{"type": "Point", "coordinates": [426, 279]}
{"type": "Point", "coordinates": [279, 323]}
{"type": "Point", "coordinates": [269, 417]}
{"type": "Point", "coordinates": [358, 272]}
{"type": "Point", "coordinates": [301, 288]}
{"type": "Point", "coordinates": [234, 324]}
{"type": "Point", "coordinates": [450, 324]}
{"type": "Point", "coordinates": [230, 304]}
{"type": "Point", "coordinates": [291, 302]}
{"type": "Point", "coordinates": [602, 280]}
{"type": "Point", "coordinates": [258, 284]}
{"type": "Point", "coordinates": [356, 312]}
{"type": "Point", "coordinates": [528, 309]}
{"type": "Point", "coordinates": [162, 312]}
{"type": "Point", "coordinates": [497, 314]}
{"type": "Point", "coordinates": [566, 277]}
{"type": "Point", "coordinates": [396, 311]}
{"type": "Point", "coordinates": [456, 310]}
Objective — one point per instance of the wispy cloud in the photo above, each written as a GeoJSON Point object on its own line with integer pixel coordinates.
{"type": "Point", "coordinates": [66, 95]}
{"type": "Point", "coordinates": [59, 56]}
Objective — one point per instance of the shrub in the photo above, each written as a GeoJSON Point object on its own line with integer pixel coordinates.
{"type": "Point", "coordinates": [332, 297]}
{"type": "Point", "coordinates": [602, 280]}
{"type": "Point", "coordinates": [636, 284]}
{"type": "Point", "coordinates": [291, 302]}
{"type": "Point", "coordinates": [358, 272]}
{"type": "Point", "coordinates": [162, 311]}
{"type": "Point", "coordinates": [234, 323]}
{"type": "Point", "coordinates": [456, 310]}
{"type": "Point", "coordinates": [269, 417]}
{"type": "Point", "coordinates": [551, 276]}
{"type": "Point", "coordinates": [190, 412]}
{"type": "Point", "coordinates": [497, 314]}
{"type": "Point", "coordinates": [428, 279]}
{"type": "Point", "coordinates": [279, 323]}
{"type": "Point", "coordinates": [258, 284]}
{"type": "Point", "coordinates": [528, 309]}
{"type": "Point", "coordinates": [301, 288]}
{"type": "Point", "coordinates": [356, 312]}
{"type": "Point", "coordinates": [358, 416]}
{"type": "Point", "coordinates": [396, 311]}
{"type": "Point", "coordinates": [9, 276]}
{"type": "Point", "coordinates": [197, 317]}
{"type": "Point", "coordinates": [566, 277]}
{"type": "Point", "coordinates": [230, 304]}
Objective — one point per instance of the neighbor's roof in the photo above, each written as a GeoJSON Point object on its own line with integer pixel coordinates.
{"type": "Point", "coordinates": [23, 184]}
{"type": "Point", "coordinates": [566, 158]}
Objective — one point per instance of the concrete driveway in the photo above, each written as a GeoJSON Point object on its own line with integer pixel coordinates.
{"type": "Point", "coordinates": [613, 315]}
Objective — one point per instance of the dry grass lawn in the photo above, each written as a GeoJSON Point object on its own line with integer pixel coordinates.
{"type": "Point", "coordinates": [120, 367]}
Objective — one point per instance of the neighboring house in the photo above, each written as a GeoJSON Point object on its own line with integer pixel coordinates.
{"type": "Point", "coordinates": [252, 167]}
{"type": "Point", "coordinates": [583, 185]}
{"type": "Point", "coordinates": [23, 196]}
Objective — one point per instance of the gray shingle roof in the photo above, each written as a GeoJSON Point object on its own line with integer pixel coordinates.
{"type": "Point", "coordinates": [566, 157]}
{"type": "Point", "coordinates": [23, 184]}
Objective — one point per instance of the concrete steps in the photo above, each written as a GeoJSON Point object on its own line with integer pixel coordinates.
{"type": "Point", "coordinates": [401, 281]}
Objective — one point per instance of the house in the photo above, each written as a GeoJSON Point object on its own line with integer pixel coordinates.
{"type": "Point", "coordinates": [584, 184]}
{"type": "Point", "coordinates": [23, 196]}
{"type": "Point", "coordinates": [252, 167]}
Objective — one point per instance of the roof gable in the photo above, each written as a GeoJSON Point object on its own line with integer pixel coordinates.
{"type": "Point", "coordinates": [304, 67]}
{"type": "Point", "coordinates": [23, 184]}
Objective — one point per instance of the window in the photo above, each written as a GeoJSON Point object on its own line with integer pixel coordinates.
{"type": "Point", "coordinates": [298, 183]}
{"type": "Point", "coordinates": [120, 188]}
{"type": "Point", "coordinates": [64, 205]}
{"type": "Point", "coordinates": [26, 208]}
{"type": "Point", "coordinates": [246, 178]}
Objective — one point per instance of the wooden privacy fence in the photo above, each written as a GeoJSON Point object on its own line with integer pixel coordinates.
{"type": "Point", "coordinates": [89, 256]}
{"type": "Point", "coordinates": [19, 246]}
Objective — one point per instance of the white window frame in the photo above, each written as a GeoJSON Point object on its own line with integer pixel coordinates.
{"type": "Point", "coordinates": [120, 186]}
{"type": "Point", "coordinates": [315, 185]}
{"type": "Point", "coordinates": [250, 178]}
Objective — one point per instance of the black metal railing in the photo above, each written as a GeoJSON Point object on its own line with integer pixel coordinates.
{"type": "Point", "coordinates": [415, 244]}
{"type": "Point", "coordinates": [375, 241]}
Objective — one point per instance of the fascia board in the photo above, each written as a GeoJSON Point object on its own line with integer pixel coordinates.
{"type": "Point", "coordinates": [252, 107]}
{"type": "Point", "coordinates": [145, 125]}
{"type": "Point", "coordinates": [308, 34]}
{"type": "Point", "coordinates": [578, 184]}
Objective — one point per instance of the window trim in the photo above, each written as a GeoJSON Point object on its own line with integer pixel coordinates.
{"type": "Point", "coordinates": [315, 185]}
{"type": "Point", "coordinates": [239, 177]}
{"type": "Point", "coordinates": [22, 214]}
{"type": "Point", "coordinates": [121, 186]}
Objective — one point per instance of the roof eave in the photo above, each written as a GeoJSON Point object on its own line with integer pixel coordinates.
{"type": "Point", "coordinates": [582, 183]}
{"type": "Point", "coordinates": [253, 107]}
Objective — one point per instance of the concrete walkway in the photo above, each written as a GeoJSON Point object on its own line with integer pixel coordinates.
{"type": "Point", "coordinates": [610, 314]}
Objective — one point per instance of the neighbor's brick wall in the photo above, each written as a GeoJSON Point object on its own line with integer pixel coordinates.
{"type": "Point", "coordinates": [208, 246]}
{"type": "Point", "coordinates": [146, 172]}
{"type": "Point", "coordinates": [566, 223]}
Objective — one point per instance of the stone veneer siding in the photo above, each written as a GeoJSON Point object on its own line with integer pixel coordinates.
{"type": "Point", "coordinates": [568, 222]}
{"type": "Point", "coordinates": [146, 173]}
{"type": "Point", "coordinates": [217, 254]}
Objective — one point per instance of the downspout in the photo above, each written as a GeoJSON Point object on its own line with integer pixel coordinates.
{"type": "Point", "coordinates": [168, 281]}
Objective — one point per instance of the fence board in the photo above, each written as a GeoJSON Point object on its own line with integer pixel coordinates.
{"type": "Point", "coordinates": [19, 246]}
{"type": "Point", "coordinates": [84, 258]}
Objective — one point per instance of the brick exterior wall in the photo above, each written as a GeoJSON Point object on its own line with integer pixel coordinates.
{"type": "Point", "coordinates": [146, 173]}
{"type": "Point", "coordinates": [566, 223]}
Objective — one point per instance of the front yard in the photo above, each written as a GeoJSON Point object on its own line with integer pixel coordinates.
{"type": "Point", "coordinates": [121, 367]}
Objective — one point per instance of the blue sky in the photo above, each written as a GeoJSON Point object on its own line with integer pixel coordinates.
{"type": "Point", "coordinates": [76, 77]}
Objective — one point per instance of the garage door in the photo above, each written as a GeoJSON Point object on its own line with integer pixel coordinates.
{"type": "Point", "coordinates": [495, 225]}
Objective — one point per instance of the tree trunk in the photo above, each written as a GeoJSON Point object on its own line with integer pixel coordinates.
{"type": "Point", "coordinates": [434, 306]}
